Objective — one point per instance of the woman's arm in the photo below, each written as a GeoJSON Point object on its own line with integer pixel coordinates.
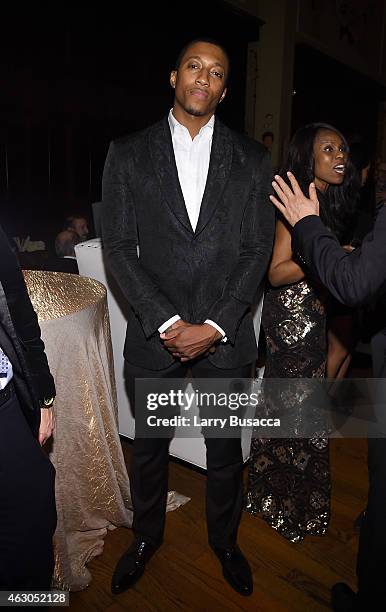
{"type": "Point", "coordinates": [283, 270]}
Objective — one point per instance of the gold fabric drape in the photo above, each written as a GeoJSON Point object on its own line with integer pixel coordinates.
{"type": "Point", "coordinates": [92, 486]}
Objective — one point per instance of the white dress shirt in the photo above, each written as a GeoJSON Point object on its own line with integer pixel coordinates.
{"type": "Point", "coordinates": [192, 161]}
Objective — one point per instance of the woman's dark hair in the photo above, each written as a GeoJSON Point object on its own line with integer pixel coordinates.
{"type": "Point", "coordinates": [338, 204]}
{"type": "Point", "coordinates": [360, 156]}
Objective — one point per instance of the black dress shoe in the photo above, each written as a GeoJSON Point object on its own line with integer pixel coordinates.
{"type": "Point", "coordinates": [235, 569]}
{"type": "Point", "coordinates": [131, 566]}
{"type": "Point", "coordinates": [343, 599]}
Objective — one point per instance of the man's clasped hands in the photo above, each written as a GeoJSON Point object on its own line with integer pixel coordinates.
{"type": "Point", "coordinates": [186, 341]}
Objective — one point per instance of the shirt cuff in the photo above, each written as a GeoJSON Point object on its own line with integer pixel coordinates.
{"type": "Point", "coordinates": [168, 323]}
{"type": "Point", "coordinates": [219, 329]}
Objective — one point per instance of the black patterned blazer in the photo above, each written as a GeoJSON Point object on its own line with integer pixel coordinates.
{"type": "Point", "coordinates": [210, 273]}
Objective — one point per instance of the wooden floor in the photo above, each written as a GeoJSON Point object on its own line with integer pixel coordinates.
{"type": "Point", "coordinates": [185, 575]}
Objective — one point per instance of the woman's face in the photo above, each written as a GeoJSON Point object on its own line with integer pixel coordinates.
{"type": "Point", "coordinates": [330, 159]}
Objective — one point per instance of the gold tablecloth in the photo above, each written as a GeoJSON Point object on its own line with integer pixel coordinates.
{"type": "Point", "coordinates": [92, 485]}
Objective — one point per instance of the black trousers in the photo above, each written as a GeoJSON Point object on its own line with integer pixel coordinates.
{"type": "Point", "coordinates": [149, 468]}
{"type": "Point", "coordinates": [371, 567]}
{"type": "Point", "coordinates": [27, 505]}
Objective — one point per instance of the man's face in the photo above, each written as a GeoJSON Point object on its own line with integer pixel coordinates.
{"type": "Point", "coordinates": [80, 227]}
{"type": "Point", "coordinates": [199, 82]}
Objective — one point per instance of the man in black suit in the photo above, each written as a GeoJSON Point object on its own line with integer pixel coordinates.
{"type": "Point", "coordinates": [352, 278]}
{"type": "Point", "coordinates": [27, 390]}
{"type": "Point", "coordinates": [193, 195]}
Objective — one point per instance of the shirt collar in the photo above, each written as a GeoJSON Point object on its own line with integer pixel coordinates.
{"type": "Point", "coordinates": [177, 126]}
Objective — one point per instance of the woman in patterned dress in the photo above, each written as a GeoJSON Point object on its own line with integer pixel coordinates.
{"type": "Point", "coordinates": [289, 481]}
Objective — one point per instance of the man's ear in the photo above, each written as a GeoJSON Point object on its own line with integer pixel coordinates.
{"type": "Point", "coordinates": [224, 93]}
{"type": "Point", "coordinates": [173, 77]}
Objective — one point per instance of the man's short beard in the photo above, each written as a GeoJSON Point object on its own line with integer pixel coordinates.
{"type": "Point", "coordinates": [195, 112]}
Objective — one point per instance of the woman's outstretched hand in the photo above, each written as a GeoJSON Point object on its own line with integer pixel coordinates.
{"type": "Point", "coordinates": [292, 203]}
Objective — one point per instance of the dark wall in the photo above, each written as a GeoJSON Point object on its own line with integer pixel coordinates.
{"type": "Point", "coordinates": [330, 92]}
{"type": "Point", "coordinates": [74, 76]}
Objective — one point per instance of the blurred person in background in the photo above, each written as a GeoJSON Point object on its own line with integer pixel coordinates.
{"type": "Point", "coordinates": [64, 259]}
{"type": "Point", "coordinates": [267, 140]}
{"type": "Point", "coordinates": [77, 224]}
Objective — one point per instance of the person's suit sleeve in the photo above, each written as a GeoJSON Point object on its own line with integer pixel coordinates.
{"type": "Point", "coordinates": [256, 240]}
{"type": "Point", "coordinates": [119, 232]}
{"type": "Point", "coordinates": [352, 278]}
{"type": "Point", "coordinates": [29, 335]}
{"type": "Point", "coordinates": [25, 320]}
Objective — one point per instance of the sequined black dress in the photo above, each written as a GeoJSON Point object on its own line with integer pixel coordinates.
{"type": "Point", "coordinates": [289, 480]}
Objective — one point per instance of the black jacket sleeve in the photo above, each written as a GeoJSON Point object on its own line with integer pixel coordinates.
{"type": "Point", "coordinates": [24, 320]}
{"type": "Point", "coordinates": [353, 278]}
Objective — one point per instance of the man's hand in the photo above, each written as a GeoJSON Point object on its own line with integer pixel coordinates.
{"type": "Point", "coordinates": [293, 204]}
{"type": "Point", "coordinates": [188, 341]}
{"type": "Point", "coordinates": [175, 325]}
{"type": "Point", "coordinates": [46, 425]}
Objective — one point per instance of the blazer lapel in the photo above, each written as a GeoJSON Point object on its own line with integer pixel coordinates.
{"type": "Point", "coordinates": [162, 155]}
{"type": "Point", "coordinates": [218, 173]}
